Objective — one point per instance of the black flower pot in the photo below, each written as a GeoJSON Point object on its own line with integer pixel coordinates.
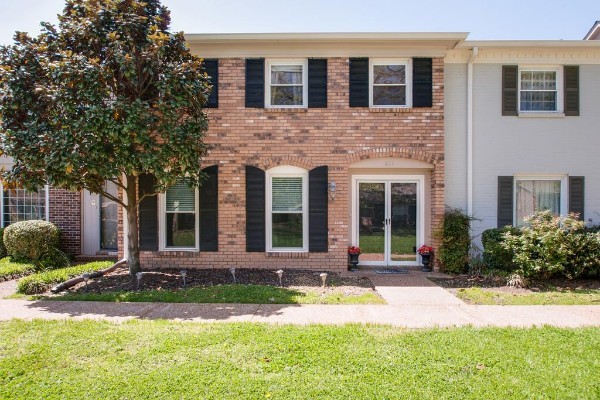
{"type": "Point", "coordinates": [426, 261]}
{"type": "Point", "coordinates": [353, 262]}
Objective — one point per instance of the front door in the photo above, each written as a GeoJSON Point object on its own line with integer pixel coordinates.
{"type": "Point", "coordinates": [388, 220]}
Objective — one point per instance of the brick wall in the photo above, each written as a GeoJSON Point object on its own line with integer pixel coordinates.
{"type": "Point", "coordinates": [336, 136]}
{"type": "Point", "coordinates": [65, 212]}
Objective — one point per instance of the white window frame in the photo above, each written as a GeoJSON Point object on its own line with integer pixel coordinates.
{"type": "Point", "coordinates": [408, 80]}
{"type": "Point", "coordinates": [304, 64]}
{"type": "Point", "coordinates": [292, 172]}
{"type": "Point", "coordinates": [559, 87]}
{"type": "Point", "coordinates": [162, 222]}
{"type": "Point", "coordinates": [46, 204]}
{"type": "Point", "coordinates": [542, 177]}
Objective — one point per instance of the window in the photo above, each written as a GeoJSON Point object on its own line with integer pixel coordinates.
{"type": "Point", "coordinates": [538, 193]}
{"type": "Point", "coordinates": [287, 216]}
{"type": "Point", "coordinates": [23, 205]}
{"type": "Point", "coordinates": [539, 89]}
{"type": "Point", "coordinates": [179, 218]}
{"type": "Point", "coordinates": [389, 84]}
{"type": "Point", "coordinates": [286, 83]}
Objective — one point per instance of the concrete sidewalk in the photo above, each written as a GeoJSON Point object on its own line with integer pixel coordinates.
{"type": "Point", "coordinates": [413, 316]}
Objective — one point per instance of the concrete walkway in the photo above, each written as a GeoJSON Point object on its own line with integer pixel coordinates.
{"type": "Point", "coordinates": [413, 302]}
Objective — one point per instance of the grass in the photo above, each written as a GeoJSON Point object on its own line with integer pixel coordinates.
{"type": "Point", "coordinates": [41, 281]}
{"type": "Point", "coordinates": [401, 243]}
{"type": "Point", "coordinates": [10, 269]}
{"type": "Point", "coordinates": [495, 297]}
{"type": "Point", "coordinates": [253, 294]}
{"type": "Point", "coordinates": [158, 359]}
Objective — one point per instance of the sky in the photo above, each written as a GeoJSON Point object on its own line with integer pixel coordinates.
{"type": "Point", "coordinates": [484, 19]}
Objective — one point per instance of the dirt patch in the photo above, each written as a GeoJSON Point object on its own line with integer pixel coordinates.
{"type": "Point", "coordinates": [170, 279]}
{"type": "Point", "coordinates": [499, 284]}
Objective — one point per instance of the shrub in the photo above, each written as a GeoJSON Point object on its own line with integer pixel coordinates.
{"type": "Point", "coordinates": [41, 282]}
{"type": "Point", "coordinates": [455, 241]}
{"type": "Point", "coordinates": [31, 240]}
{"type": "Point", "coordinates": [554, 246]}
{"type": "Point", "coordinates": [494, 255]}
{"type": "Point", "coordinates": [3, 252]}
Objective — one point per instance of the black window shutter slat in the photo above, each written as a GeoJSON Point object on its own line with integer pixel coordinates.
{"type": "Point", "coordinates": [505, 201]}
{"type": "Point", "coordinates": [422, 82]}
{"type": "Point", "coordinates": [148, 214]}
{"type": "Point", "coordinates": [209, 210]}
{"type": "Point", "coordinates": [317, 83]}
{"type": "Point", "coordinates": [359, 82]}
{"type": "Point", "coordinates": [510, 93]}
{"type": "Point", "coordinates": [317, 210]}
{"type": "Point", "coordinates": [255, 83]}
{"type": "Point", "coordinates": [255, 209]}
{"type": "Point", "coordinates": [211, 66]}
{"type": "Point", "coordinates": [571, 73]}
{"type": "Point", "coordinates": [577, 195]}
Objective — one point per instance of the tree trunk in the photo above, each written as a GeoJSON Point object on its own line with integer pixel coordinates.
{"type": "Point", "coordinates": [133, 245]}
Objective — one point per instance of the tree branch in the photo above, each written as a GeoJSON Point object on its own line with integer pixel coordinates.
{"type": "Point", "coordinates": [146, 195]}
{"type": "Point", "coordinates": [113, 198]}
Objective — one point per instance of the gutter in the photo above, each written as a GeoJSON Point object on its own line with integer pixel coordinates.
{"type": "Point", "coordinates": [474, 53]}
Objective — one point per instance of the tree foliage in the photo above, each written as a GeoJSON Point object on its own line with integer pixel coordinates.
{"type": "Point", "coordinates": [109, 93]}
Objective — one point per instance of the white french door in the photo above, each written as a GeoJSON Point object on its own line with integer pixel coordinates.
{"type": "Point", "coordinates": [388, 219]}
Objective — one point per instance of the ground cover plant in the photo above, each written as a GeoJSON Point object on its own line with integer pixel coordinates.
{"type": "Point", "coordinates": [10, 269]}
{"type": "Point", "coordinates": [43, 281]}
{"type": "Point", "coordinates": [157, 359]}
{"type": "Point", "coordinates": [217, 286]}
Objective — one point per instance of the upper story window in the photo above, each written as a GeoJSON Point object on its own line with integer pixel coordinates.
{"type": "Point", "coordinates": [389, 83]}
{"type": "Point", "coordinates": [179, 218]}
{"type": "Point", "coordinates": [23, 205]}
{"type": "Point", "coordinates": [539, 89]}
{"type": "Point", "coordinates": [286, 83]}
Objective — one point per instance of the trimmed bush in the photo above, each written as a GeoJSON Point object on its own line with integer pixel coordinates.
{"type": "Point", "coordinates": [41, 282]}
{"type": "Point", "coordinates": [455, 241]}
{"type": "Point", "coordinates": [494, 255]}
{"type": "Point", "coordinates": [554, 246]}
{"type": "Point", "coordinates": [31, 240]}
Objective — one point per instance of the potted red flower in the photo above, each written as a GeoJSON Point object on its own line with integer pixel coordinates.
{"type": "Point", "coordinates": [425, 252]}
{"type": "Point", "coordinates": [353, 253]}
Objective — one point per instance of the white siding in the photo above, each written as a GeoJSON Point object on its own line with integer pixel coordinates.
{"type": "Point", "coordinates": [455, 140]}
{"type": "Point", "coordinates": [513, 145]}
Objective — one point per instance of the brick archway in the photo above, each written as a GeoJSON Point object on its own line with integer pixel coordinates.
{"type": "Point", "coordinates": [394, 152]}
{"type": "Point", "coordinates": [287, 160]}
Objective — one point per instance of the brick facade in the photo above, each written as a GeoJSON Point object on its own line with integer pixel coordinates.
{"type": "Point", "coordinates": [336, 136]}
{"type": "Point", "coordinates": [65, 212]}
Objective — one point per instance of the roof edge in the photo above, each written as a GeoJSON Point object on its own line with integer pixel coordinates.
{"type": "Point", "coordinates": [327, 36]}
{"type": "Point", "coordinates": [528, 43]}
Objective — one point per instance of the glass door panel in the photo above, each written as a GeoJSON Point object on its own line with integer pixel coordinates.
{"type": "Point", "coordinates": [403, 222]}
{"type": "Point", "coordinates": [371, 221]}
{"type": "Point", "coordinates": [108, 219]}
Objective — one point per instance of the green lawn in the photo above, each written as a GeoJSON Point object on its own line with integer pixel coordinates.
{"type": "Point", "coordinates": [494, 297]}
{"type": "Point", "coordinates": [10, 269]}
{"type": "Point", "coordinates": [254, 294]}
{"type": "Point", "coordinates": [160, 360]}
{"type": "Point", "coordinates": [401, 243]}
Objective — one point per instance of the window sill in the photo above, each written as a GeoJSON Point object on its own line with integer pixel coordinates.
{"type": "Point", "coordinates": [541, 115]}
{"type": "Point", "coordinates": [286, 109]}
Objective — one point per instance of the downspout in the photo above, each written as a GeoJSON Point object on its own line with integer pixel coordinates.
{"type": "Point", "coordinates": [472, 57]}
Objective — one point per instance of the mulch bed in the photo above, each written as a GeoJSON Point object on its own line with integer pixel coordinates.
{"type": "Point", "coordinates": [170, 279]}
{"type": "Point", "coordinates": [552, 284]}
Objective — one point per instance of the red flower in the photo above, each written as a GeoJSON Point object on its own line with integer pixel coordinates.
{"type": "Point", "coordinates": [425, 250]}
{"type": "Point", "coordinates": [353, 250]}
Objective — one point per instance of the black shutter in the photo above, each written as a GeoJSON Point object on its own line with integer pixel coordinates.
{"type": "Point", "coordinates": [510, 81]}
{"type": "Point", "coordinates": [212, 69]}
{"type": "Point", "coordinates": [255, 83]}
{"type": "Point", "coordinates": [255, 209]}
{"type": "Point", "coordinates": [148, 214]}
{"type": "Point", "coordinates": [505, 201]}
{"type": "Point", "coordinates": [209, 210]}
{"type": "Point", "coordinates": [359, 82]}
{"type": "Point", "coordinates": [317, 210]}
{"type": "Point", "coordinates": [422, 82]}
{"type": "Point", "coordinates": [317, 83]}
{"type": "Point", "coordinates": [571, 90]}
{"type": "Point", "coordinates": [577, 195]}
